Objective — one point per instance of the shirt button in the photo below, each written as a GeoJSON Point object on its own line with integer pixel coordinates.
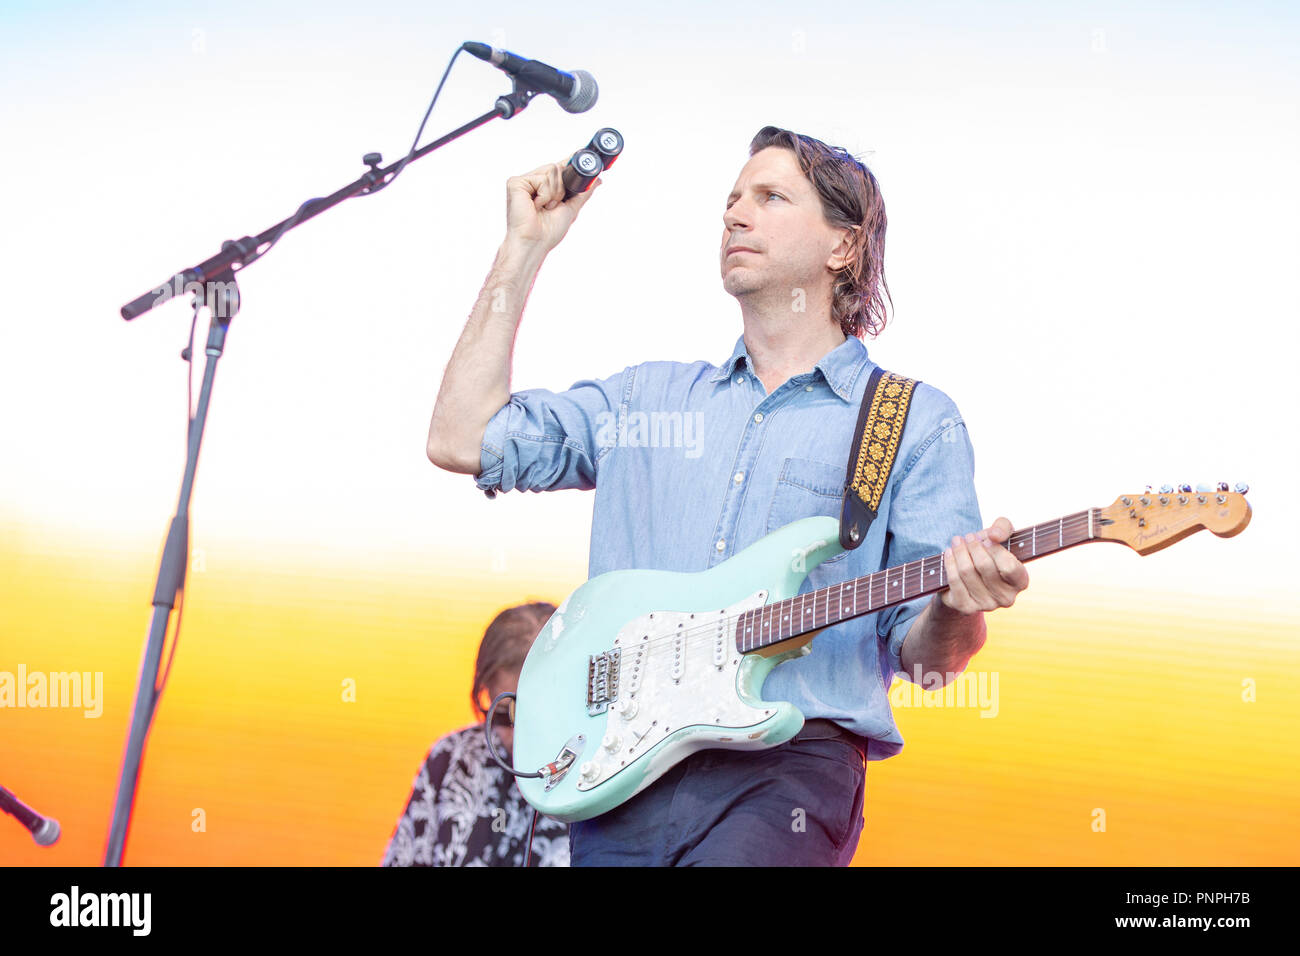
{"type": "Point", "coordinates": [758, 417]}
{"type": "Point", "coordinates": [740, 380]}
{"type": "Point", "coordinates": [807, 388]}
{"type": "Point", "coordinates": [721, 545]}
{"type": "Point", "coordinates": [739, 477]}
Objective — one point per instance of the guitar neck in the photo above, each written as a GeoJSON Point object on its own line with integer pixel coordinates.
{"type": "Point", "coordinates": [792, 617]}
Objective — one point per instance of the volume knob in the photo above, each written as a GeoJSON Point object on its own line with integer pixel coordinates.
{"type": "Point", "coordinates": [589, 770]}
{"type": "Point", "coordinates": [627, 708]}
{"type": "Point", "coordinates": [611, 742]}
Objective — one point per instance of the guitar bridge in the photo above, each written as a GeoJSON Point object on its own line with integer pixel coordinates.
{"type": "Point", "coordinates": [602, 680]}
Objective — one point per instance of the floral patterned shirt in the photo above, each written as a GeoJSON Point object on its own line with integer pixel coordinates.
{"type": "Point", "coordinates": [464, 810]}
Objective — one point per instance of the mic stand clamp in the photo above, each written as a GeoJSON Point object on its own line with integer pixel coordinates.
{"type": "Point", "coordinates": [509, 104]}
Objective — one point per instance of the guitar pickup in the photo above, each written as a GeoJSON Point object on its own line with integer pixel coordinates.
{"type": "Point", "coordinates": [602, 680]}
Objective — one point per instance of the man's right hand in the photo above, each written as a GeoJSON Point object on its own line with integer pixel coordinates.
{"type": "Point", "coordinates": [476, 382]}
{"type": "Point", "coordinates": [536, 214]}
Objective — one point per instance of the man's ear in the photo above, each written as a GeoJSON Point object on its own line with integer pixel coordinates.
{"type": "Point", "coordinates": [846, 250]}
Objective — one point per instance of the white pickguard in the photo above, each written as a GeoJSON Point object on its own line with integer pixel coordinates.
{"type": "Point", "coordinates": [667, 683]}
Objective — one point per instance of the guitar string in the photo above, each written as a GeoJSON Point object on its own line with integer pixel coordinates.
{"type": "Point", "coordinates": [695, 635]}
{"type": "Point", "coordinates": [700, 634]}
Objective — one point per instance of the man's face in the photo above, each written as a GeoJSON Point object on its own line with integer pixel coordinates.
{"type": "Point", "coordinates": [775, 235]}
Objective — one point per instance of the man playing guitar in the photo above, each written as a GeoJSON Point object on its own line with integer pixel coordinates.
{"type": "Point", "coordinates": [692, 462]}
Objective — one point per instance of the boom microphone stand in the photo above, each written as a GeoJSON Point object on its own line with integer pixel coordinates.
{"type": "Point", "coordinates": [213, 283]}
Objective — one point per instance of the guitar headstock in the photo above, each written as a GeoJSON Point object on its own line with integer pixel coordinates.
{"type": "Point", "coordinates": [1156, 519]}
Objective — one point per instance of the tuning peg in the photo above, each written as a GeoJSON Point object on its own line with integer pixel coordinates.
{"type": "Point", "coordinates": [1223, 486]}
{"type": "Point", "coordinates": [1241, 488]}
{"type": "Point", "coordinates": [1184, 488]}
{"type": "Point", "coordinates": [1203, 488]}
{"type": "Point", "coordinates": [1166, 489]}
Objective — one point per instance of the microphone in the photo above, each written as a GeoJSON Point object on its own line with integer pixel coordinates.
{"type": "Point", "coordinates": [575, 92]}
{"type": "Point", "coordinates": [45, 830]}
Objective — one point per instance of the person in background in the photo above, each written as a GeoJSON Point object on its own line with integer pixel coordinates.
{"type": "Point", "coordinates": [464, 810]}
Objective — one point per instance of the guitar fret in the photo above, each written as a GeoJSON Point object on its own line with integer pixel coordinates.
{"type": "Point", "coordinates": [781, 621]}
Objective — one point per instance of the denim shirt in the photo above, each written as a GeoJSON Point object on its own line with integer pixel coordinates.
{"type": "Point", "coordinates": [693, 462]}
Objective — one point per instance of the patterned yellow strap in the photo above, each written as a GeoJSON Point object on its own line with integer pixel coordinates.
{"type": "Point", "coordinates": [884, 428]}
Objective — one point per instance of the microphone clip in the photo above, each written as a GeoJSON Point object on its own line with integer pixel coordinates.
{"type": "Point", "coordinates": [509, 104]}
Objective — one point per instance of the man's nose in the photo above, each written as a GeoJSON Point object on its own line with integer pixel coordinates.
{"type": "Point", "coordinates": [737, 217]}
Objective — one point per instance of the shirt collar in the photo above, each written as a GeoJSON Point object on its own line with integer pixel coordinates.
{"type": "Point", "coordinates": [840, 366]}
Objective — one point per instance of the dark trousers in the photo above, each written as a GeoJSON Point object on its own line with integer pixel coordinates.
{"type": "Point", "coordinates": [797, 804]}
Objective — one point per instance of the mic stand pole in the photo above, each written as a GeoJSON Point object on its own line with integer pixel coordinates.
{"type": "Point", "coordinates": [222, 302]}
{"type": "Point", "coordinates": [214, 279]}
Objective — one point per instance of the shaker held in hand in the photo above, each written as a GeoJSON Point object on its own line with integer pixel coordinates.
{"type": "Point", "coordinates": [590, 161]}
{"type": "Point", "coordinates": [583, 168]}
{"type": "Point", "coordinates": [608, 143]}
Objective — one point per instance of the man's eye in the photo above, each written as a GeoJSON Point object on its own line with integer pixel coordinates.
{"type": "Point", "coordinates": [777, 195]}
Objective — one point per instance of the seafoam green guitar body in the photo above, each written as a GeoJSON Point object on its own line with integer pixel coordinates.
{"type": "Point", "coordinates": [638, 669]}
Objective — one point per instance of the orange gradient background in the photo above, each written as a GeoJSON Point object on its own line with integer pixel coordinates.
{"type": "Point", "coordinates": [1133, 705]}
{"type": "Point", "coordinates": [1091, 249]}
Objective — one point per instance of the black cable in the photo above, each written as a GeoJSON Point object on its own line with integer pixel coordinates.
{"type": "Point", "coordinates": [491, 744]}
{"type": "Point", "coordinates": [420, 132]}
{"type": "Point", "coordinates": [236, 267]}
{"type": "Point", "coordinates": [373, 189]}
{"type": "Point", "coordinates": [188, 355]}
{"type": "Point", "coordinates": [528, 847]}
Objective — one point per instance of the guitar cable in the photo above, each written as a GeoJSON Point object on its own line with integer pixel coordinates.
{"type": "Point", "coordinates": [491, 745]}
{"type": "Point", "coordinates": [487, 733]}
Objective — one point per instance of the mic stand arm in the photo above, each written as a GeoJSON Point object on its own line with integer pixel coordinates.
{"type": "Point", "coordinates": [234, 255]}
{"type": "Point", "coordinates": [213, 283]}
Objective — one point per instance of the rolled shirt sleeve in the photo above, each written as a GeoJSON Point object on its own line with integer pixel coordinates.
{"type": "Point", "coordinates": [548, 441]}
{"type": "Point", "coordinates": [933, 501]}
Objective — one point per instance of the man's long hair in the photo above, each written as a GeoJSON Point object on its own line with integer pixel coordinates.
{"type": "Point", "coordinates": [851, 198]}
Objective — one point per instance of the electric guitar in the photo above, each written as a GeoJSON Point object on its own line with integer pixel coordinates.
{"type": "Point", "coordinates": [637, 670]}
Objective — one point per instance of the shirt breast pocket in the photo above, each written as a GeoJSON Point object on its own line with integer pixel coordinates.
{"type": "Point", "coordinates": [806, 488]}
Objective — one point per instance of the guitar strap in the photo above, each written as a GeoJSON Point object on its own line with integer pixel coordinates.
{"type": "Point", "coordinates": [871, 457]}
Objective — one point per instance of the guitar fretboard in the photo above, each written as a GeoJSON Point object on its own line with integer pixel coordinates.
{"type": "Point", "coordinates": [782, 620]}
